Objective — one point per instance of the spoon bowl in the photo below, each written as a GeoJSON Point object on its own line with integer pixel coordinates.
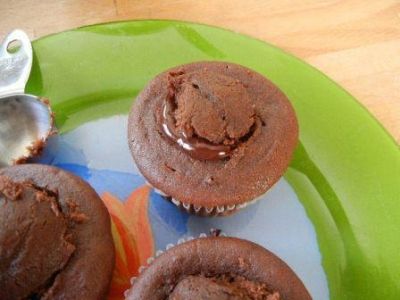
{"type": "Point", "coordinates": [25, 120]}
{"type": "Point", "coordinates": [25, 124]}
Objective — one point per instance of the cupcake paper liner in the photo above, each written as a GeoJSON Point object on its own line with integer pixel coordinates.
{"type": "Point", "coordinates": [220, 210]}
{"type": "Point", "coordinates": [223, 210]}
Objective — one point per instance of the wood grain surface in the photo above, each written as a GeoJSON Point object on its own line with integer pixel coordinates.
{"type": "Point", "coordinates": [355, 42]}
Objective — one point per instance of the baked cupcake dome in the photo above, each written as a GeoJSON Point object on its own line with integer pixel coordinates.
{"type": "Point", "coordinates": [212, 134]}
{"type": "Point", "coordinates": [55, 236]}
{"type": "Point", "coordinates": [217, 266]}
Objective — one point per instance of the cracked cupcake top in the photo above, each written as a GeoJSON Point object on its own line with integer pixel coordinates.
{"type": "Point", "coordinates": [34, 239]}
{"type": "Point", "coordinates": [217, 268]}
{"type": "Point", "coordinates": [222, 287]}
{"type": "Point", "coordinates": [54, 230]}
{"type": "Point", "coordinates": [212, 133]}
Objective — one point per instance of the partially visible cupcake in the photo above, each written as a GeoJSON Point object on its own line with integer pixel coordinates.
{"type": "Point", "coordinates": [217, 268]}
{"type": "Point", "coordinates": [55, 236]}
{"type": "Point", "coordinates": [213, 136]}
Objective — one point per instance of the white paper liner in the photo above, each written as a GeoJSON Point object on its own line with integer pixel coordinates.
{"type": "Point", "coordinates": [159, 252]}
{"type": "Point", "coordinates": [221, 210]}
{"type": "Point", "coordinates": [207, 211]}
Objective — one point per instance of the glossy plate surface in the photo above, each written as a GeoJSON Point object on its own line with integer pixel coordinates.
{"type": "Point", "coordinates": [346, 169]}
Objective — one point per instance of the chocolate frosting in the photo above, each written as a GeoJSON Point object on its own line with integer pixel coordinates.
{"type": "Point", "coordinates": [207, 115]}
{"type": "Point", "coordinates": [35, 244]}
{"type": "Point", "coordinates": [225, 287]}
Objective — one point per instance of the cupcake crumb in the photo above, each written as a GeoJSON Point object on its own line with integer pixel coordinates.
{"type": "Point", "coordinates": [209, 180]}
{"type": "Point", "coordinates": [215, 232]}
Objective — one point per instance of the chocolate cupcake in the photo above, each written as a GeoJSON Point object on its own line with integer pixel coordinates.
{"type": "Point", "coordinates": [55, 236]}
{"type": "Point", "coordinates": [217, 268]}
{"type": "Point", "coordinates": [212, 135]}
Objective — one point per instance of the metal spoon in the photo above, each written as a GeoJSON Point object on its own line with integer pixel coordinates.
{"type": "Point", "coordinates": [25, 120]}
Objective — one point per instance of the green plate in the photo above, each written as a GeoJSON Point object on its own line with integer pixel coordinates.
{"type": "Point", "coordinates": [346, 170]}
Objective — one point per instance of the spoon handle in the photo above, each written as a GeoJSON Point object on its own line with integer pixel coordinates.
{"type": "Point", "coordinates": [15, 63]}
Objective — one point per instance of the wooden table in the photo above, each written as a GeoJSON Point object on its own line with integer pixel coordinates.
{"type": "Point", "coordinates": [355, 42]}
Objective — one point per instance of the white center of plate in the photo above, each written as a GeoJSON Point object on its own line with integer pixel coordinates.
{"type": "Point", "coordinates": [278, 222]}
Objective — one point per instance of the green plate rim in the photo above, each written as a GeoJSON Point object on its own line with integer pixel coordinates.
{"type": "Point", "coordinates": [232, 32]}
{"type": "Point", "coordinates": [346, 285]}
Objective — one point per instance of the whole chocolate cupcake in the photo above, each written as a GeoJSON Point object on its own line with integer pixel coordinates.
{"type": "Point", "coordinates": [217, 268]}
{"type": "Point", "coordinates": [212, 135]}
{"type": "Point", "coordinates": [55, 236]}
